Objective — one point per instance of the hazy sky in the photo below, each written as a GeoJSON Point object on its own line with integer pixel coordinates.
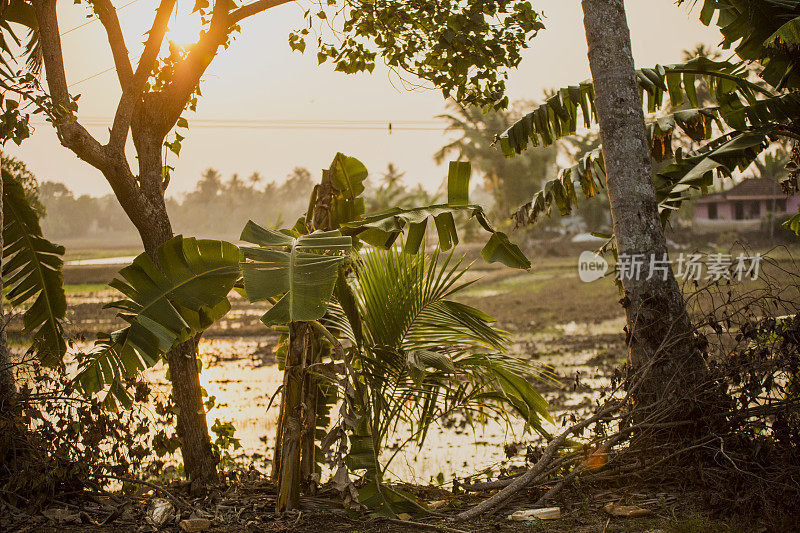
{"type": "Point", "coordinates": [259, 79]}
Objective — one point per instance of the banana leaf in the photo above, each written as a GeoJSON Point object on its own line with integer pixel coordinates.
{"type": "Point", "coordinates": [299, 270]}
{"type": "Point", "coordinates": [165, 304]}
{"type": "Point", "coordinates": [32, 271]}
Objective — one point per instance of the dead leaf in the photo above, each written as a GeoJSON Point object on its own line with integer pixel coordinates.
{"type": "Point", "coordinates": [342, 478]}
{"type": "Point", "coordinates": [545, 513]}
{"type": "Point", "coordinates": [626, 511]}
{"type": "Point", "coordinates": [597, 459]}
{"type": "Point", "coordinates": [438, 503]}
{"type": "Point", "coordinates": [160, 512]}
{"type": "Point", "coordinates": [195, 525]}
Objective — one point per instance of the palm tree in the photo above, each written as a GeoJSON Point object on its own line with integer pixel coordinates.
{"type": "Point", "coordinates": [31, 274]}
{"type": "Point", "coordinates": [18, 12]}
{"type": "Point", "coordinates": [423, 354]}
{"type": "Point", "coordinates": [391, 192]}
{"type": "Point", "coordinates": [660, 334]}
{"type": "Point", "coordinates": [508, 180]}
{"type": "Point", "coordinates": [751, 115]}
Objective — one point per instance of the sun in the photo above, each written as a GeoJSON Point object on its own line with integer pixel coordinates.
{"type": "Point", "coordinates": [184, 28]}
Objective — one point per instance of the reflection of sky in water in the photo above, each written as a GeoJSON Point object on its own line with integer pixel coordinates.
{"type": "Point", "coordinates": [243, 390]}
{"type": "Point", "coordinates": [243, 387]}
{"type": "Point", "coordinates": [123, 260]}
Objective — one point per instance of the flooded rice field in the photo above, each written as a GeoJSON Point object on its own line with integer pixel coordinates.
{"type": "Point", "coordinates": [574, 329]}
{"type": "Point", "coordinates": [240, 374]}
{"type": "Point", "coordinates": [576, 335]}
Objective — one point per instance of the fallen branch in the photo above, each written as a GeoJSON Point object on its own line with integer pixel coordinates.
{"type": "Point", "coordinates": [502, 483]}
{"type": "Point", "coordinates": [558, 486]}
{"type": "Point", "coordinates": [535, 472]}
{"type": "Point", "coordinates": [178, 501]}
{"type": "Point", "coordinates": [489, 485]}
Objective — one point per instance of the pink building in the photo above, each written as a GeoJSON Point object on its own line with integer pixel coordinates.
{"type": "Point", "coordinates": [749, 201]}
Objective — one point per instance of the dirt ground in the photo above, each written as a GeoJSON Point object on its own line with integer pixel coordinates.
{"type": "Point", "coordinates": [248, 508]}
{"type": "Point", "coordinates": [553, 317]}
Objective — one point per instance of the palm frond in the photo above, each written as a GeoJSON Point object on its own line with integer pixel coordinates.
{"type": "Point", "coordinates": [752, 127]}
{"type": "Point", "coordinates": [425, 354]}
{"type": "Point", "coordinates": [755, 29]}
{"type": "Point", "coordinates": [406, 304]}
{"type": "Point", "coordinates": [558, 116]}
{"type": "Point", "coordinates": [22, 13]}
{"type": "Point", "coordinates": [32, 270]}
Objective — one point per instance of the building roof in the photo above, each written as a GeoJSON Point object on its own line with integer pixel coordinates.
{"type": "Point", "coordinates": [749, 189]}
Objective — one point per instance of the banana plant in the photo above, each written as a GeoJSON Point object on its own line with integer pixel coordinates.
{"type": "Point", "coordinates": [303, 275]}
{"type": "Point", "coordinates": [382, 229]}
{"type": "Point", "coordinates": [286, 266]}
{"type": "Point", "coordinates": [164, 305]}
{"type": "Point", "coordinates": [273, 270]}
{"type": "Point", "coordinates": [32, 273]}
{"type": "Point", "coordinates": [748, 116]}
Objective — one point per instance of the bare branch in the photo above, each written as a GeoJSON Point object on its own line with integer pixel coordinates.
{"type": "Point", "coordinates": [72, 134]}
{"type": "Point", "coordinates": [254, 8]}
{"type": "Point", "coordinates": [132, 93]}
{"type": "Point", "coordinates": [108, 17]}
{"type": "Point", "coordinates": [154, 39]}
{"type": "Point", "coordinates": [189, 71]}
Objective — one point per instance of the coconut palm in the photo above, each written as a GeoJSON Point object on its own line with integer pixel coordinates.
{"type": "Point", "coordinates": [507, 179]}
{"type": "Point", "coordinates": [424, 354]}
{"type": "Point", "coordinates": [749, 116]}
{"type": "Point", "coordinates": [20, 13]}
{"type": "Point", "coordinates": [31, 274]}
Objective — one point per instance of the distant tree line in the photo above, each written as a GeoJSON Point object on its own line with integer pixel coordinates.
{"type": "Point", "coordinates": [221, 208]}
{"type": "Point", "coordinates": [215, 208]}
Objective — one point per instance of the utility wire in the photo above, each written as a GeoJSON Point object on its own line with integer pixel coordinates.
{"type": "Point", "coordinates": [92, 76]}
{"type": "Point", "coordinates": [371, 125]}
{"type": "Point", "coordinates": [324, 124]}
{"type": "Point", "coordinates": [109, 69]}
{"type": "Point", "coordinates": [94, 18]}
{"type": "Point", "coordinates": [99, 120]}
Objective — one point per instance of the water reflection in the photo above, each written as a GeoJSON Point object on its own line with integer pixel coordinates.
{"type": "Point", "coordinates": [234, 372]}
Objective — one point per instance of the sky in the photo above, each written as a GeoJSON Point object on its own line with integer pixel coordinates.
{"type": "Point", "coordinates": [308, 110]}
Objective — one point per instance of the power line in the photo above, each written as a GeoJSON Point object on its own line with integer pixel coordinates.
{"type": "Point", "coordinates": [284, 124]}
{"type": "Point", "coordinates": [93, 18]}
{"type": "Point", "coordinates": [109, 69]}
{"type": "Point", "coordinates": [278, 122]}
{"type": "Point", "coordinates": [92, 76]}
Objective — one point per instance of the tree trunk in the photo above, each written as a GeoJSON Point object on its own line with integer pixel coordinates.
{"type": "Point", "coordinates": [308, 445]}
{"type": "Point", "coordinates": [292, 400]}
{"type": "Point", "coordinates": [143, 113]}
{"type": "Point", "coordinates": [7, 386]}
{"type": "Point", "coordinates": [660, 338]}
{"type": "Point", "coordinates": [295, 440]}
{"type": "Point", "coordinates": [199, 461]}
